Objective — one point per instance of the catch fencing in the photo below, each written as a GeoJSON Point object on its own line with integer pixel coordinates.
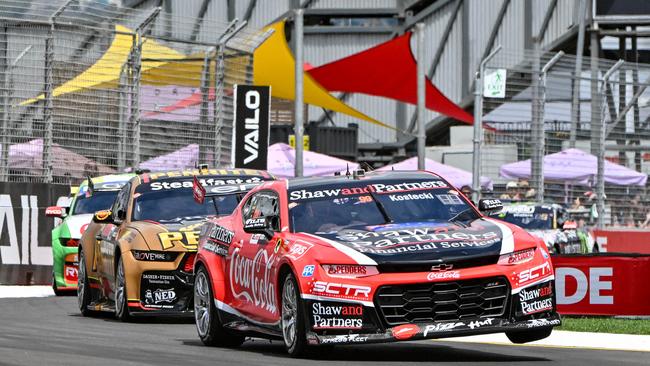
{"type": "Point", "coordinates": [550, 118]}
{"type": "Point", "coordinates": [92, 88]}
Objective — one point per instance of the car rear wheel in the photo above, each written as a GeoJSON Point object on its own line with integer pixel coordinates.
{"type": "Point", "coordinates": [292, 320]}
{"type": "Point", "coordinates": [83, 288]}
{"type": "Point", "coordinates": [528, 336]}
{"type": "Point", "coordinates": [206, 318]}
{"type": "Point", "coordinates": [121, 307]}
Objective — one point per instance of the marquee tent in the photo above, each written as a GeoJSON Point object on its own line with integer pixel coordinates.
{"type": "Point", "coordinates": [456, 176]}
{"type": "Point", "coordinates": [577, 167]}
{"type": "Point", "coordinates": [282, 159]}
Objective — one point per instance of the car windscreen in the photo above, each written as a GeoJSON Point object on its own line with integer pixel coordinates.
{"type": "Point", "coordinates": [332, 208]}
{"type": "Point", "coordinates": [178, 204]}
{"type": "Point", "coordinates": [100, 200]}
{"type": "Point", "coordinates": [528, 217]}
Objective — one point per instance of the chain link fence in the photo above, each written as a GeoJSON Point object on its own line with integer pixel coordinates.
{"type": "Point", "coordinates": [90, 88]}
{"type": "Point", "coordinates": [549, 117]}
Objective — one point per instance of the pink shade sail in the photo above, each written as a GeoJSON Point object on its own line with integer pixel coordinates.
{"type": "Point", "coordinates": [183, 158]}
{"type": "Point", "coordinates": [456, 176]}
{"type": "Point", "coordinates": [282, 158]}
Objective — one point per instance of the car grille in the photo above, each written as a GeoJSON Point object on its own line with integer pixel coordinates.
{"type": "Point", "coordinates": [442, 301]}
{"type": "Point", "coordinates": [459, 263]}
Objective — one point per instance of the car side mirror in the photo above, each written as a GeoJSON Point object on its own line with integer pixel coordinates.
{"type": "Point", "coordinates": [103, 217]}
{"type": "Point", "coordinates": [55, 211]}
{"type": "Point", "coordinates": [490, 206]}
{"type": "Point", "coordinates": [260, 225]}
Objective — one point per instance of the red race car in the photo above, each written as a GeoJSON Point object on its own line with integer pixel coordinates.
{"type": "Point", "coordinates": [379, 257]}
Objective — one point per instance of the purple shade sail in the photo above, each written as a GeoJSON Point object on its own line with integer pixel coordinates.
{"type": "Point", "coordinates": [456, 176]}
{"type": "Point", "coordinates": [282, 158]}
{"type": "Point", "coordinates": [577, 167]}
{"type": "Point", "coordinates": [183, 158]}
{"type": "Point", "coordinates": [28, 157]}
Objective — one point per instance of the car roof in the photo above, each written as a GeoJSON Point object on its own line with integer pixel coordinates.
{"type": "Point", "coordinates": [177, 175]}
{"type": "Point", "coordinates": [99, 182]}
{"type": "Point", "coordinates": [369, 177]}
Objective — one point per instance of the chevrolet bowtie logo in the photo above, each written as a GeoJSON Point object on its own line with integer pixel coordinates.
{"type": "Point", "coordinates": [442, 267]}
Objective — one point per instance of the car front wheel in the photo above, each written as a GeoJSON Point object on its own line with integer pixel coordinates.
{"type": "Point", "coordinates": [292, 320]}
{"type": "Point", "coordinates": [207, 321]}
{"type": "Point", "coordinates": [83, 289]}
{"type": "Point", "coordinates": [121, 307]}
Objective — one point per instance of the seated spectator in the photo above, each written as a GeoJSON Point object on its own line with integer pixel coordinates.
{"type": "Point", "coordinates": [512, 192]}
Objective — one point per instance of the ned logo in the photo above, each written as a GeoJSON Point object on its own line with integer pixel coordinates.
{"type": "Point", "coordinates": [252, 138]}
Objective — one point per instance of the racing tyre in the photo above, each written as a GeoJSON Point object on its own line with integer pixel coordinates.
{"type": "Point", "coordinates": [292, 319]}
{"type": "Point", "coordinates": [57, 292]}
{"type": "Point", "coordinates": [528, 336]}
{"type": "Point", "coordinates": [83, 287]}
{"type": "Point", "coordinates": [121, 307]}
{"type": "Point", "coordinates": [206, 318]}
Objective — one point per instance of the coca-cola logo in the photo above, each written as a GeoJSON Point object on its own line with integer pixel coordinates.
{"type": "Point", "coordinates": [251, 279]}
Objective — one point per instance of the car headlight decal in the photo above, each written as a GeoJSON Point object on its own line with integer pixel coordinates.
{"type": "Point", "coordinates": [349, 270]}
{"type": "Point", "coordinates": [518, 257]}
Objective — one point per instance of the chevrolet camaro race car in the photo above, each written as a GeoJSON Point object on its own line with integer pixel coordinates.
{"type": "Point", "coordinates": [76, 217]}
{"type": "Point", "coordinates": [550, 223]}
{"type": "Point", "coordinates": [138, 257]}
{"type": "Point", "coordinates": [379, 257]}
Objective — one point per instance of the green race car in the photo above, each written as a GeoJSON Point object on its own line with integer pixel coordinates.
{"type": "Point", "coordinates": [75, 218]}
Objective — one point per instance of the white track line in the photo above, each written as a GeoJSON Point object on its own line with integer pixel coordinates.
{"type": "Point", "coordinates": [25, 291]}
{"type": "Point", "coordinates": [564, 339]}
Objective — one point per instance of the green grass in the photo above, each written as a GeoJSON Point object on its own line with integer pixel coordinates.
{"type": "Point", "coordinates": [605, 325]}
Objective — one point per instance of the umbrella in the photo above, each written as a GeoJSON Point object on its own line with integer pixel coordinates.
{"type": "Point", "coordinates": [575, 166]}
{"type": "Point", "coordinates": [282, 157]}
{"type": "Point", "coordinates": [456, 176]}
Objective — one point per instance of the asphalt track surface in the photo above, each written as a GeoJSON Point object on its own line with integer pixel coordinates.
{"type": "Point", "coordinates": [50, 331]}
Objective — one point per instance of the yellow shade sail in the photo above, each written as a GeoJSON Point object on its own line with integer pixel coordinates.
{"type": "Point", "coordinates": [274, 65]}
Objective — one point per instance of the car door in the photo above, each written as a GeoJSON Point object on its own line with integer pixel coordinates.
{"type": "Point", "coordinates": [107, 237]}
{"type": "Point", "coordinates": [251, 265]}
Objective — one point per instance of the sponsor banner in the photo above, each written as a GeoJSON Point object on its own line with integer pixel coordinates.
{"type": "Point", "coordinates": [164, 291]}
{"type": "Point", "coordinates": [339, 290]}
{"type": "Point", "coordinates": [187, 239]}
{"type": "Point", "coordinates": [251, 280]}
{"type": "Point", "coordinates": [26, 233]}
{"type": "Point", "coordinates": [327, 315]}
{"type": "Point", "coordinates": [377, 188]}
{"type": "Point", "coordinates": [251, 126]}
{"type": "Point", "coordinates": [210, 184]}
{"type": "Point", "coordinates": [602, 284]}
{"type": "Point", "coordinates": [534, 299]}
{"type": "Point", "coordinates": [623, 241]}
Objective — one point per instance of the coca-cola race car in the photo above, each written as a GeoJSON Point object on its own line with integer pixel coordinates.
{"type": "Point", "coordinates": [380, 257]}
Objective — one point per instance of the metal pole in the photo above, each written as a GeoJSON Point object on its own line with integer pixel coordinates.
{"type": "Point", "coordinates": [121, 123]}
{"type": "Point", "coordinates": [600, 175]}
{"type": "Point", "coordinates": [421, 80]}
{"type": "Point", "coordinates": [205, 100]}
{"type": "Point", "coordinates": [220, 78]}
{"type": "Point", "coordinates": [48, 107]}
{"type": "Point", "coordinates": [298, 100]}
{"type": "Point", "coordinates": [136, 68]}
{"type": "Point", "coordinates": [575, 90]}
{"type": "Point", "coordinates": [537, 123]}
{"type": "Point", "coordinates": [478, 126]}
{"type": "Point", "coordinates": [541, 146]}
{"type": "Point", "coordinates": [595, 93]}
{"type": "Point", "coordinates": [6, 97]}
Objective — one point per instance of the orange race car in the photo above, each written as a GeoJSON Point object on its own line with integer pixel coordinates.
{"type": "Point", "coordinates": [137, 258]}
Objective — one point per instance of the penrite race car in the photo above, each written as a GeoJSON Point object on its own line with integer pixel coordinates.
{"type": "Point", "coordinates": [137, 258]}
{"type": "Point", "coordinates": [378, 257]}
{"type": "Point", "coordinates": [548, 222]}
{"type": "Point", "coordinates": [76, 217]}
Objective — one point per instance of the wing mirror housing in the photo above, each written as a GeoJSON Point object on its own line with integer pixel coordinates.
{"type": "Point", "coordinates": [103, 217]}
{"type": "Point", "coordinates": [55, 211]}
{"type": "Point", "coordinates": [490, 206]}
{"type": "Point", "coordinates": [260, 225]}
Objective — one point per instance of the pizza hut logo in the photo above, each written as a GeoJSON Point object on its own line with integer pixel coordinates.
{"type": "Point", "coordinates": [405, 331]}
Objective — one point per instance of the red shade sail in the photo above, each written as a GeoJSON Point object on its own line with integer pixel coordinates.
{"type": "Point", "coordinates": [387, 70]}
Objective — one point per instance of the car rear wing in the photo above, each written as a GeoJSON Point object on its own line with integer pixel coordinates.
{"type": "Point", "coordinates": [200, 192]}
